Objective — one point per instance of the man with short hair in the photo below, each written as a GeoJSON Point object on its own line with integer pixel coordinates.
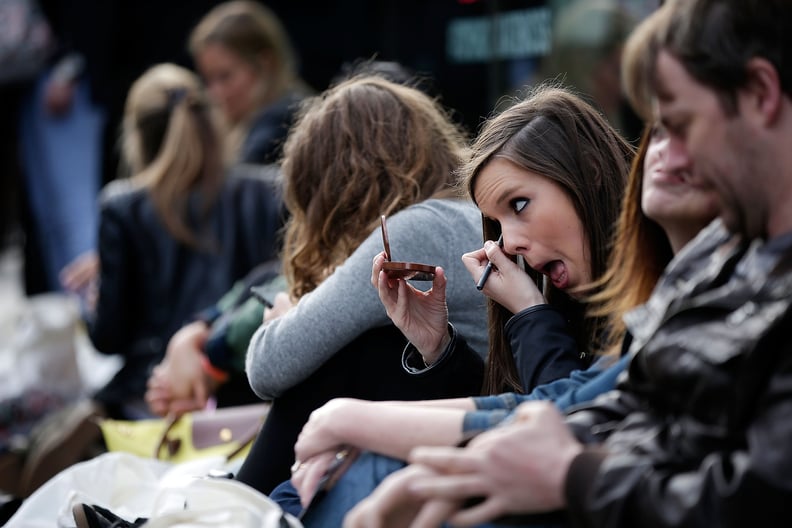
{"type": "Point", "coordinates": [699, 432]}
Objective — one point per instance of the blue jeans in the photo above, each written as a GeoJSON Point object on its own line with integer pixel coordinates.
{"type": "Point", "coordinates": [61, 159]}
{"type": "Point", "coordinates": [356, 484]}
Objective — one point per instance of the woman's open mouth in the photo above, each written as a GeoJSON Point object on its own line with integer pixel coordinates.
{"type": "Point", "coordinates": [558, 273]}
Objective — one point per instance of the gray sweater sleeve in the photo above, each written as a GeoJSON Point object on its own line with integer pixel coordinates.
{"type": "Point", "coordinates": [287, 350]}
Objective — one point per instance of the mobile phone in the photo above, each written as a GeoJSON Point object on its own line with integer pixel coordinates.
{"type": "Point", "coordinates": [403, 270]}
{"type": "Point", "coordinates": [343, 459]}
{"type": "Point", "coordinates": [263, 295]}
{"type": "Point", "coordinates": [266, 292]}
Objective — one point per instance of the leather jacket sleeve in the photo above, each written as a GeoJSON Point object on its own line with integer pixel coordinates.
{"type": "Point", "coordinates": [107, 335]}
{"type": "Point", "coordinates": [608, 485]}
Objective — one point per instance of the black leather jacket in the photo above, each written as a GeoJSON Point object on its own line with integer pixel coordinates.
{"type": "Point", "coordinates": [700, 431]}
{"type": "Point", "coordinates": [151, 284]}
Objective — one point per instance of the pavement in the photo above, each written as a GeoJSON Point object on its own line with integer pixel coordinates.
{"type": "Point", "coordinates": [11, 291]}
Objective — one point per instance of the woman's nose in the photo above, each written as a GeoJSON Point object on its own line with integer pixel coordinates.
{"type": "Point", "coordinates": [676, 157]}
{"type": "Point", "coordinates": [514, 242]}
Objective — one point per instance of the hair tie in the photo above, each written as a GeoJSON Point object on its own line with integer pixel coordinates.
{"type": "Point", "coordinates": [175, 96]}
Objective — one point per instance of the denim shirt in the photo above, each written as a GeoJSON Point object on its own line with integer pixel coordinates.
{"type": "Point", "coordinates": [581, 386]}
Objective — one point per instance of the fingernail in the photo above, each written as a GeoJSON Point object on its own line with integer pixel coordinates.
{"type": "Point", "coordinates": [489, 244]}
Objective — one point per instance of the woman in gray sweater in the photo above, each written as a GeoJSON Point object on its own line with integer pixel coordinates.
{"type": "Point", "coordinates": [364, 148]}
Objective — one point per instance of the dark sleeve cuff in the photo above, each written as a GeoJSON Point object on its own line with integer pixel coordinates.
{"type": "Point", "coordinates": [208, 315]}
{"type": "Point", "coordinates": [528, 311]}
{"type": "Point", "coordinates": [582, 473]}
{"type": "Point", "coordinates": [217, 351]}
{"type": "Point", "coordinates": [413, 362]}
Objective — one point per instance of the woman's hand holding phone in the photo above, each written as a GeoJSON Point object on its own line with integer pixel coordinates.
{"type": "Point", "coordinates": [421, 316]}
{"type": "Point", "coordinates": [306, 475]}
{"type": "Point", "coordinates": [280, 305]}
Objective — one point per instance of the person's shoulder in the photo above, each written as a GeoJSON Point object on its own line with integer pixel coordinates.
{"type": "Point", "coordinates": [439, 209]}
{"type": "Point", "coordinates": [706, 243]}
{"type": "Point", "coordinates": [121, 192]}
{"type": "Point", "coordinates": [436, 222]}
{"type": "Point", "coordinates": [253, 189]}
{"type": "Point", "coordinates": [281, 110]}
{"type": "Point", "coordinates": [245, 175]}
{"type": "Point", "coordinates": [290, 101]}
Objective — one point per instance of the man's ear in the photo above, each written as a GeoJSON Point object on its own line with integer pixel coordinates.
{"type": "Point", "coordinates": [762, 95]}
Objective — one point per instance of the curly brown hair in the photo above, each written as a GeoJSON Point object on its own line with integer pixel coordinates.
{"type": "Point", "coordinates": [364, 148]}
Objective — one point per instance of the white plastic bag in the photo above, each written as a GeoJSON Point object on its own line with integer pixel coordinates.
{"type": "Point", "coordinates": [126, 484]}
{"type": "Point", "coordinates": [43, 345]}
{"type": "Point", "coordinates": [39, 350]}
{"type": "Point", "coordinates": [204, 502]}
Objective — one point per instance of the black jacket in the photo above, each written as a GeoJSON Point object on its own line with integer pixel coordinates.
{"type": "Point", "coordinates": [541, 344]}
{"type": "Point", "coordinates": [368, 369]}
{"type": "Point", "coordinates": [700, 431]}
{"type": "Point", "coordinates": [151, 284]}
{"type": "Point", "coordinates": [543, 347]}
{"type": "Point", "coordinates": [268, 130]}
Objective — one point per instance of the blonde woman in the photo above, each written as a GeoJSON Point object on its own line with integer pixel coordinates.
{"type": "Point", "coordinates": [175, 235]}
{"type": "Point", "coordinates": [248, 64]}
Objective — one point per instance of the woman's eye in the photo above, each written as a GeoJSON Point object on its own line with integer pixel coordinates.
{"type": "Point", "coordinates": [677, 128]}
{"type": "Point", "coordinates": [659, 131]}
{"type": "Point", "coordinates": [519, 204]}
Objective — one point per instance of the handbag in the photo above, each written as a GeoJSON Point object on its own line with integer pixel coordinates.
{"type": "Point", "coordinates": [227, 432]}
{"type": "Point", "coordinates": [26, 40]}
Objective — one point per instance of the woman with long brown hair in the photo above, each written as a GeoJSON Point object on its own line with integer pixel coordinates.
{"type": "Point", "coordinates": [567, 152]}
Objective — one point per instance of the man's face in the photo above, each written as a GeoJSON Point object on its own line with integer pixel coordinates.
{"type": "Point", "coordinates": [720, 146]}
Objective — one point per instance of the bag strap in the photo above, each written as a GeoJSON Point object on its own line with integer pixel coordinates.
{"type": "Point", "coordinates": [244, 444]}
{"type": "Point", "coordinates": [173, 445]}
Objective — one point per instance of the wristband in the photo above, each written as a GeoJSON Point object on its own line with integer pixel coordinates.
{"type": "Point", "coordinates": [212, 371]}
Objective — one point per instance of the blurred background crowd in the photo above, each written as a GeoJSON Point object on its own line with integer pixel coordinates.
{"type": "Point", "coordinates": [471, 52]}
{"type": "Point", "coordinates": [65, 138]}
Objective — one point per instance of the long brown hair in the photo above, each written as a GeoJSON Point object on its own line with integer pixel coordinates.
{"type": "Point", "coordinates": [171, 146]}
{"type": "Point", "coordinates": [363, 148]}
{"type": "Point", "coordinates": [555, 134]}
{"type": "Point", "coordinates": [641, 251]}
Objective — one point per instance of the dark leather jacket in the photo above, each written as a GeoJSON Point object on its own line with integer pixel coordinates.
{"type": "Point", "coordinates": [151, 284]}
{"type": "Point", "coordinates": [699, 432]}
